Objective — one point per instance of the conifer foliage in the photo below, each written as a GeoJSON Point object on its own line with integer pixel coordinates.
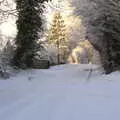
{"type": "Point", "coordinates": [29, 25]}
{"type": "Point", "coordinates": [57, 36]}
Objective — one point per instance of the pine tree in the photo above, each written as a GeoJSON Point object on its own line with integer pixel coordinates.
{"type": "Point", "coordinates": [29, 25]}
{"type": "Point", "coordinates": [58, 37]}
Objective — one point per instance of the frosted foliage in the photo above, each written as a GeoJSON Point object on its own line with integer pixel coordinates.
{"type": "Point", "coordinates": [80, 55]}
{"type": "Point", "coordinates": [93, 13]}
{"type": "Point", "coordinates": [77, 34]}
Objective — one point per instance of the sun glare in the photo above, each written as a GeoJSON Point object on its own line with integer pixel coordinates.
{"type": "Point", "coordinates": [8, 29]}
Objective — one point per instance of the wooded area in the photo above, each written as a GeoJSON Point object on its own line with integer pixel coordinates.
{"type": "Point", "coordinates": [58, 38]}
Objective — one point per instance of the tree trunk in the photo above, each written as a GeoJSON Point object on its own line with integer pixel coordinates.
{"type": "Point", "coordinates": [58, 54]}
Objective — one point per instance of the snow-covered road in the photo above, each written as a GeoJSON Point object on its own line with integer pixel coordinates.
{"type": "Point", "coordinates": [61, 93]}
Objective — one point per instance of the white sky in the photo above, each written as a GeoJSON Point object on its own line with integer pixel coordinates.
{"type": "Point", "coordinates": [8, 28]}
{"type": "Point", "coordinates": [64, 7]}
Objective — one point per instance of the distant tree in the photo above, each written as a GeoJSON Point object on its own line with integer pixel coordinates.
{"type": "Point", "coordinates": [89, 48]}
{"type": "Point", "coordinates": [29, 25]}
{"type": "Point", "coordinates": [6, 52]}
{"type": "Point", "coordinates": [57, 36]}
{"type": "Point", "coordinates": [6, 55]}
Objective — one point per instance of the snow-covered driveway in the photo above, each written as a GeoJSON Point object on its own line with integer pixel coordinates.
{"type": "Point", "coordinates": [60, 93]}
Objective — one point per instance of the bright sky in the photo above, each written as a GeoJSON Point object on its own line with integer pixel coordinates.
{"type": "Point", "coordinates": [9, 28]}
{"type": "Point", "coordinates": [66, 10]}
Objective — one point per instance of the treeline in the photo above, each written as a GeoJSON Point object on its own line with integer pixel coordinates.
{"type": "Point", "coordinates": [100, 20]}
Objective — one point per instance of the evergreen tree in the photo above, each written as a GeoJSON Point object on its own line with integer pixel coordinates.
{"type": "Point", "coordinates": [29, 25]}
{"type": "Point", "coordinates": [57, 36]}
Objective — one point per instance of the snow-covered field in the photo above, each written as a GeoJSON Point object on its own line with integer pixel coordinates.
{"type": "Point", "coordinates": [61, 93]}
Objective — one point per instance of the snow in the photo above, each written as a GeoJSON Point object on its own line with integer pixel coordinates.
{"type": "Point", "coordinates": [61, 93]}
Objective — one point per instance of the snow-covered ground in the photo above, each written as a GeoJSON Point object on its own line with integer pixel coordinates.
{"type": "Point", "coordinates": [61, 93]}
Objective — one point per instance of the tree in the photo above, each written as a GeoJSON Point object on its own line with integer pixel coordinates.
{"type": "Point", "coordinates": [6, 54]}
{"type": "Point", "coordinates": [101, 19]}
{"type": "Point", "coordinates": [57, 36]}
{"type": "Point", "coordinates": [29, 25]}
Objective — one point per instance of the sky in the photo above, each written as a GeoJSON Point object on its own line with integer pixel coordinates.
{"type": "Point", "coordinates": [9, 28]}
{"type": "Point", "coordinates": [66, 11]}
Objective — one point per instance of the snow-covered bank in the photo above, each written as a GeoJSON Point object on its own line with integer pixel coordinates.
{"type": "Point", "coordinates": [61, 93]}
